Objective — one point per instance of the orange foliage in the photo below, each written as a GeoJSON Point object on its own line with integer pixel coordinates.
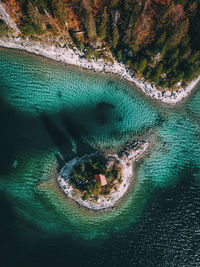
{"type": "Point", "coordinates": [14, 10]}
{"type": "Point", "coordinates": [145, 29]}
{"type": "Point", "coordinates": [73, 20]}
{"type": "Point", "coordinates": [192, 8]}
{"type": "Point", "coordinates": [98, 6]}
{"type": "Point", "coordinates": [177, 13]}
{"type": "Point", "coordinates": [162, 2]}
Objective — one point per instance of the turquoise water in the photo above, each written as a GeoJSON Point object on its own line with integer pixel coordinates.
{"type": "Point", "coordinates": [88, 111]}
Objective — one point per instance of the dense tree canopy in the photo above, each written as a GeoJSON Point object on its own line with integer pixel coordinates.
{"type": "Point", "coordinates": [156, 39]}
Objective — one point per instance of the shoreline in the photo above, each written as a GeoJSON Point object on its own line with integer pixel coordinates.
{"type": "Point", "coordinates": [103, 202]}
{"type": "Point", "coordinates": [69, 56]}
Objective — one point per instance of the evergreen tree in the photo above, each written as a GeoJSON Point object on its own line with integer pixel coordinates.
{"type": "Point", "coordinates": [142, 65]}
{"type": "Point", "coordinates": [158, 71]}
{"type": "Point", "coordinates": [103, 25]}
{"type": "Point", "coordinates": [119, 55]}
{"type": "Point", "coordinates": [90, 25]}
{"type": "Point", "coordinates": [59, 10]}
{"type": "Point", "coordinates": [115, 37]}
{"type": "Point", "coordinates": [33, 13]}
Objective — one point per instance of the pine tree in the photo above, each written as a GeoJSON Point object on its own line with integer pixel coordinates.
{"type": "Point", "coordinates": [33, 13]}
{"type": "Point", "coordinates": [103, 25]}
{"type": "Point", "coordinates": [119, 55]}
{"type": "Point", "coordinates": [142, 66]}
{"type": "Point", "coordinates": [59, 10]}
{"type": "Point", "coordinates": [158, 71]}
{"type": "Point", "coordinates": [90, 25]}
{"type": "Point", "coordinates": [115, 37]}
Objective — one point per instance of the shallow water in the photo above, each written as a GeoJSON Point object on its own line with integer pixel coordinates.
{"type": "Point", "coordinates": [47, 107]}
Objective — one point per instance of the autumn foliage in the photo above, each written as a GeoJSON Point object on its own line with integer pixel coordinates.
{"type": "Point", "coordinates": [156, 39]}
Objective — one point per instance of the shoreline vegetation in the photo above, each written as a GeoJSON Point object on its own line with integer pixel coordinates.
{"type": "Point", "coordinates": [148, 66]}
{"type": "Point", "coordinates": [75, 57]}
{"type": "Point", "coordinates": [91, 195]}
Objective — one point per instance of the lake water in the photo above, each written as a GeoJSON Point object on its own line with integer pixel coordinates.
{"type": "Point", "coordinates": [49, 109]}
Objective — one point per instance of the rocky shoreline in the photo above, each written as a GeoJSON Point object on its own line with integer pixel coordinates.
{"type": "Point", "coordinates": [130, 154]}
{"type": "Point", "coordinates": [75, 57]}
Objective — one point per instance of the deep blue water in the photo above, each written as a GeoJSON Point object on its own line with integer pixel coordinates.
{"type": "Point", "coordinates": [47, 107]}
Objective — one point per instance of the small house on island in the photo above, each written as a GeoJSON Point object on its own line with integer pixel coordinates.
{"type": "Point", "coordinates": [101, 178]}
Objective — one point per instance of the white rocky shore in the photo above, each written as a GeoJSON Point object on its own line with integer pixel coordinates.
{"type": "Point", "coordinates": [74, 57]}
{"type": "Point", "coordinates": [130, 155]}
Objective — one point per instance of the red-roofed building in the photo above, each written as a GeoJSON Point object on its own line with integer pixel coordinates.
{"type": "Point", "coordinates": [101, 178]}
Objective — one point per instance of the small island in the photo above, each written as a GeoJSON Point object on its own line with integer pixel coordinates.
{"type": "Point", "coordinates": [99, 180]}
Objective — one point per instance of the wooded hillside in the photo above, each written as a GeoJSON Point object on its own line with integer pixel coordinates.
{"type": "Point", "coordinates": [157, 39]}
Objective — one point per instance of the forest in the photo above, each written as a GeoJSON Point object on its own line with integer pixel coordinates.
{"type": "Point", "coordinates": [155, 39]}
{"type": "Point", "coordinates": [83, 177]}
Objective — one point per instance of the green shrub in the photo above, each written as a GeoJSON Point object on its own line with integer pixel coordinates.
{"type": "Point", "coordinates": [86, 196]}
